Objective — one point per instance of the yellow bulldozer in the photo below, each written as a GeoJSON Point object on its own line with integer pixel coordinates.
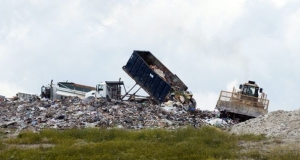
{"type": "Point", "coordinates": [249, 101]}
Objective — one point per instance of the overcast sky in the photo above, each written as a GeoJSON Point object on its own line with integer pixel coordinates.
{"type": "Point", "coordinates": [212, 45]}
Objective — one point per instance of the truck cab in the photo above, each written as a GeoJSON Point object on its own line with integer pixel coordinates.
{"type": "Point", "coordinates": [107, 89]}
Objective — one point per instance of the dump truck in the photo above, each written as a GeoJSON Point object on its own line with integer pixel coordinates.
{"type": "Point", "coordinates": [62, 90]}
{"type": "Point", "coordinates": [152, 75]}
{"type": "Point", "coordinates": [249, 101]}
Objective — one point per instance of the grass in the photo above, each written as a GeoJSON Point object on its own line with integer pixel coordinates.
{"type": "Point", "coordinates": [186, 143]}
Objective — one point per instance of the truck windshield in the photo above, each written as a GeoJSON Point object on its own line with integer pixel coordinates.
{"type": "Point", "coordinates": [100, 87]}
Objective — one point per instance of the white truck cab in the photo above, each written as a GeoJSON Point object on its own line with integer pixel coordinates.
{"type": "Point", "coordinates": [107, 89]}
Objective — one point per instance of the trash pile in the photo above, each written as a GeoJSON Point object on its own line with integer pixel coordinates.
{"type": "Point", "coordinates": [285, 124]}
{"type": "Point", "coordinates": [163, 74]}
{"type": "Point", "coordinates": [73, 112]}
{"type": "Point", "coordinates": [158, 71]}
{"type": "Point", "coordinates": [183, 98]}
{"type": "Point", "coordinates": [176, 95]}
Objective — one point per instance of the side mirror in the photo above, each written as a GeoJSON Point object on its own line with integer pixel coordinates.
{"type": "Point", "coordinates": [260, 90]}
{"type": "Point", "coordinates": [241, 86]}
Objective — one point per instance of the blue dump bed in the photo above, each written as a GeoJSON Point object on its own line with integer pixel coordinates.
{"type": "Point", "coordinates": [138, 68]}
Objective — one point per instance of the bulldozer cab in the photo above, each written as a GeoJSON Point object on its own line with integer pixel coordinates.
{"type": "Point", "coordinates": [250, 91]}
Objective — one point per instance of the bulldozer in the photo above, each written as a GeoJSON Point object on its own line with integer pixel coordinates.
{"type": "Point", "coordinates": [249, 101]}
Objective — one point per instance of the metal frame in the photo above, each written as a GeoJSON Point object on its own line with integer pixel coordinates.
{"type": "Point", "coordinates": [133, 95]}
{"type": "Point", "coordinates": [238, 103]}
{"type": "Point", "coordinates": [238, 98]}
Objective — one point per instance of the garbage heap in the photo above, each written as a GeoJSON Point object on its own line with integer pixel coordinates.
{"type": "Point", "coordinates": [74, 112]}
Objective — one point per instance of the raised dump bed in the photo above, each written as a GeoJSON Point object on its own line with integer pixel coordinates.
{"type": "Point", "coordinates": [152, 75]}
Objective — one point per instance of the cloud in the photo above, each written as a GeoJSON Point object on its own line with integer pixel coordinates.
{"type": "Point", "coordinates": [9, 89]}
{"type": "Point", "coordinates": [209, 46]}
{"type": "Point", "coordinates": [206, 101]}
{"type": "Point", "coordinates": [279, 3]}
{"type": "Point", "coordinates": [292, 33]}
{"type": "Point", "coordinates": [232, 84]}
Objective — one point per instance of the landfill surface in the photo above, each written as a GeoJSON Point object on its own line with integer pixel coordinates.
{"type": "Point", "coordinates": [73, 112]}
{"type": "Point", "coordinates": [284, 124]}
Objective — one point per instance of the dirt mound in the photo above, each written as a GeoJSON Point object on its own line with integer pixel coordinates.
{"type": "Point", "coordinates": [285, 124]}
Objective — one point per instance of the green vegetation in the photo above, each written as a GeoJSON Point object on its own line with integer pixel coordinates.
{"type": "Point", "coordinates": [187, 143]}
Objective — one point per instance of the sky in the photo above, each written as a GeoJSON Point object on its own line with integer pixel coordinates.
{"type": "Point", "coordinates": [211, 45]}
